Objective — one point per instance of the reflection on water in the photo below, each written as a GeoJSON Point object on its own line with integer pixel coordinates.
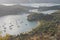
{"type": "Point", "coordinates": [15, 24]}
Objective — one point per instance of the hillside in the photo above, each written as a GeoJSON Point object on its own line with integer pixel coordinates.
{"type": "Point", "coordinates": [57, 7]}
{"type": "Point", "coordinates": [13, 10]}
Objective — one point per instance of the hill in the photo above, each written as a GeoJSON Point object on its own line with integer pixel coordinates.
{"type": "Point", "coordinates": [14, 10]}
{"type": "Point", "coordinates": [57, 7]}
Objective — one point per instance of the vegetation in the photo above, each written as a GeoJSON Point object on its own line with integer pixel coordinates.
{"type": "Point", "coordinates": [41, 16]}
{"type": "Point", "coordinates": [47, 30]}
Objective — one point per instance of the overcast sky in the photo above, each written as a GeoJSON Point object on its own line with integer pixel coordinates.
{"type": "Point", "coordinates": [29, 1]}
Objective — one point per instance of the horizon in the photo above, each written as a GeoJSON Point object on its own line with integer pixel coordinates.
{"type": "Point", "coordinates": [30, 4]}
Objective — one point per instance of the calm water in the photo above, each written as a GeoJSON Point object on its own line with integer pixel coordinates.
{"type": "Point", "coordinates": [45, 12]}
{"type": "Point", "coordinates": [15, 24]}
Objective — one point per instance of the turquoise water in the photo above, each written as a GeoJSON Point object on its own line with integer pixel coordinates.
{"type": "Point", "coordinates": [15, 24]}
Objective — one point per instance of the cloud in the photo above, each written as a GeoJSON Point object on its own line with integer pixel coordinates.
{"type": "Point", "coordinates": [29, 1]}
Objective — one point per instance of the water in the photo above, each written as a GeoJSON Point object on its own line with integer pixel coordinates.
{"type": "Point", "coordinates": [15, 24]}
{"type": "Point", "coordinates": [37, 5]}
{"type": "Point", "coordinates": [45, 12]}
{"type": "Point", "coordinates": [48, 12]}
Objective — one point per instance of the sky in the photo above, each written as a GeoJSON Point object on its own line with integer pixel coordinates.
{"type": "Point", "coordinates": [30, 1]}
